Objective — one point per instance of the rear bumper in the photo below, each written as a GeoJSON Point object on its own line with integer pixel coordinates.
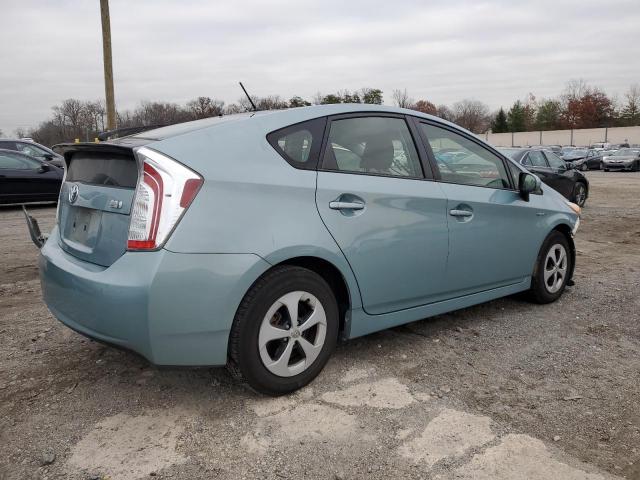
{"type": "Point", "coordinates": [172, 308]}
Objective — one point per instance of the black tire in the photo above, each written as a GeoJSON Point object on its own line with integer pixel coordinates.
{"type": "Point", "coordinates": [579, 196]}
{"type": "Point", "coordinates": [637, 167]}
{"type": "Point", "coordinates": [244, 358]}
{"type": "Point", "coordinates": [540, 291]}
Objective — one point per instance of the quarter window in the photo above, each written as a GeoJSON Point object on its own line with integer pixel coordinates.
{"type": "Point", "coordinates": [461, 160]}
{"type": "Point", "coordinates": [372, 145]}
{"type": "Point", "coordinates": [299, 144]}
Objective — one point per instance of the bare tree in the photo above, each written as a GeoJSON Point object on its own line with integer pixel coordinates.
{"type": "Point", "coordinates": [19, 133]}
{"type": "Point", "coordinates": [204, 107]}
{"type": "Point", "coordinates": [445, 113]}
{"type": "Point", "coordinates": [631, 110]}
{"type": "Point", "coordinates": [472, 115]}
{"type": "Point", "coordinates": [401, 99]}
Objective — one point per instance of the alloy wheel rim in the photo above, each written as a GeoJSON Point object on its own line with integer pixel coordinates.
{"type": "Point", "coordinates": [555, 268]}
{"type": "Point", "coordinates": [292, 334]}
{"type": "Point", "coordinates": [580, 194]}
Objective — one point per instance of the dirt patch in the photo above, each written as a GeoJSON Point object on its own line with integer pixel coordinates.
{"type": "Point", "coordinates": [386, 393]}
{"type": "Point", "coordinates": [520, 456]}
{"type": "Point", "coordinates": [449, 434]}
{"type": "Point", "coordinates": [127, 447]}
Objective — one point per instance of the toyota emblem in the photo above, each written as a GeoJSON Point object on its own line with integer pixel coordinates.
{"type": "Point", "coordinates": [74, 191]}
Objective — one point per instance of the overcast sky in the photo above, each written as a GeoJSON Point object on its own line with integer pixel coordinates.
{"type": "Point", "coordinates": [495, 51]}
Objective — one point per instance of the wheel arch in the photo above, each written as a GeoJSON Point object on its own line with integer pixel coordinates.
{"type": "Point", "coordinates": [336, 280]}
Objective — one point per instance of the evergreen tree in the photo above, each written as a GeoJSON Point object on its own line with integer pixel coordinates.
{"type": "Point", "coordinates": [516, 117]}
{"type": "Point", "coordinates": [499, 123]}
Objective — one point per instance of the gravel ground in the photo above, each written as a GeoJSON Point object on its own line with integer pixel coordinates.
{"type": "Point", "coordinates": [502, 390]}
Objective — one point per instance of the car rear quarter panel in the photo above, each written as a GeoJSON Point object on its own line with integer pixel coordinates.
{"type": "Point", "coordinates": [252, 200]}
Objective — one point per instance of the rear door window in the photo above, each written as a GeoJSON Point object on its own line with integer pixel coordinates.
{"type": "Point", "coordinates": [535, 158]}
{"type": "Point", "coordinates": [299, 144]}
{"type": "Point", "coordinates": [31, 150]}
{"type": "Point", "coordinates": [372, 145]}
{"type": "Point", "coordinates": [9, 161]}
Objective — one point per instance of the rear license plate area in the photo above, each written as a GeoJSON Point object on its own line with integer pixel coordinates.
{"type": "Point", "coordinates": [83, 225]}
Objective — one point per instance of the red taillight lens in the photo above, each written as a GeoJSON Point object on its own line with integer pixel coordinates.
{"type": "Point", "coordinates": [165, 190]}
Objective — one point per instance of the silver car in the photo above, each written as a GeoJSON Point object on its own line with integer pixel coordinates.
{"type": "Point", "coordinates": [623, 159]}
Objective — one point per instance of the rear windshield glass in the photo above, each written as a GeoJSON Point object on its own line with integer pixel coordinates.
{"type": "Point", "coordinates": [103, 169]}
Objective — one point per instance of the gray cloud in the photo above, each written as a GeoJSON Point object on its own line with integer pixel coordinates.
{"type": "Point", "coordinates": [494, 50]}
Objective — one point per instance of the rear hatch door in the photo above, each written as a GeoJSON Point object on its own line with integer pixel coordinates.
{"type": "Point", "coordinates": [95, 201]}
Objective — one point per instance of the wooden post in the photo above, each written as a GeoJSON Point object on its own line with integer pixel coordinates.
{"type": "Point", "coordinates": [108, 67]}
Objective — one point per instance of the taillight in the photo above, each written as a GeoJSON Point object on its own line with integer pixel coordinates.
{"type": "Point", "coordinates": [165, 190]}
{"type": "Point", "coordinates": [64, 179]}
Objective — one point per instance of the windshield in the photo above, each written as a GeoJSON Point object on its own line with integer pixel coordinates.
{"type": "Point", "coordinates": [625, 152]}
{"type": "Point", "coordinates": [575, 154]}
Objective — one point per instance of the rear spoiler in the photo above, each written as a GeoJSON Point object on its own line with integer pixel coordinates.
{"type": "Point", "coordinates": [107, 147]}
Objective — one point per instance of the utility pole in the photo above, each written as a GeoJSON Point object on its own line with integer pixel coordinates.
{"type": "Point", "coordinates": [108, 66]}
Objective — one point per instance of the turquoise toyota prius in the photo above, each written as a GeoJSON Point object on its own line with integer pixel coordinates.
{"type": "Point", "coordinates": [260, 240]}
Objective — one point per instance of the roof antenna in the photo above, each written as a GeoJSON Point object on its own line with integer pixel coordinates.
{"type": "Point", "coordinates": [250, 101]}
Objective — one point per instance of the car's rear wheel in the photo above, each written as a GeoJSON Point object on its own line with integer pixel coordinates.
{"type": "Point", "coordinates": [552, 269]}
{"type": "Point", "coordinates": [284, 331]}
{"type": "Point", "coordinates": [580, 194]}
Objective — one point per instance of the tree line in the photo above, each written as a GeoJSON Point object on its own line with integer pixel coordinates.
{"type": "Point", "coordinates": [579, 106]}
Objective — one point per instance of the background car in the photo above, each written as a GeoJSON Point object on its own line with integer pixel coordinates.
{"type": "Point", "coordinates": [591, 161]}
{"type": "Point", "coordinates": [24, 179]}
{"type": "Point", "coordinates": [623, 159]}
{"type": "Point", "coordinates": [553, 171]}
{"type": "Point", "coordinates": [34, 150]}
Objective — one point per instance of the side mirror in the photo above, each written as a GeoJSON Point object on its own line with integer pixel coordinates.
{"type": "Point", "coordinates": [47, 156]}
{"type": "Point", "coordinates": [44, 168]}
{"type": "Point", "coordinates": [527, 184]}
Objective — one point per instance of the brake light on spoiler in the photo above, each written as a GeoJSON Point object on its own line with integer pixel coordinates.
{"type": "Point", "coordinates": [165, 190]}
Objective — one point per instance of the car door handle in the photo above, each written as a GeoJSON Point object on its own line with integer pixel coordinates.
{"type": "Point", "coordinates": [460, 213]}
{"type": "Point", "coordinates": [338, 205]}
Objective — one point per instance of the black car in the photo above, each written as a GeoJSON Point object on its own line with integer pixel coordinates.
{"type": "Point", "coordinates": [553, 171]}
{"type": "Point", "coordinates": [24, 179]}
{"type": "Point", "coordinates": [33, 149]}
{"type": "Point", "coordinates": [584, 160]}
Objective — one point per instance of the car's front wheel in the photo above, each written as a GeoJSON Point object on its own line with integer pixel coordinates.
{"type": "Point", "coordinates": [580, 194]}
{"type": "Point", "coordinates": [284, 330]}
{"type": "Point", "coordinates": [552, 269]}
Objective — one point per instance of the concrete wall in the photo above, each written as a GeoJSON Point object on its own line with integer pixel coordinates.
{"type": "Point", "coordinates": [581, 137]}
